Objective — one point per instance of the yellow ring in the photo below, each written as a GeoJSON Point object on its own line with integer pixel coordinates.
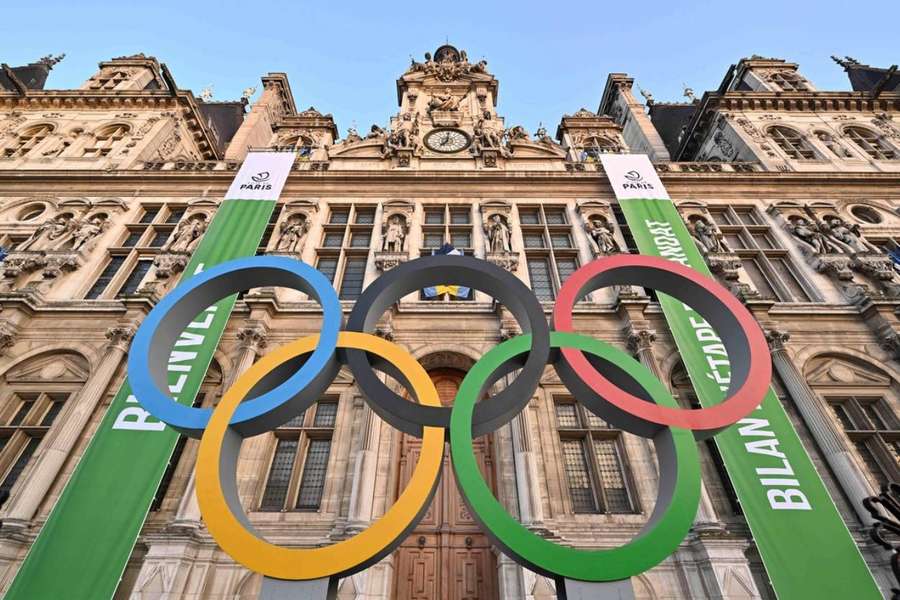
{"type": "Point", "coordinates": [342, 558]}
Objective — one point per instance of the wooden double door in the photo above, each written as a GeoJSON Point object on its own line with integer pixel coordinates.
{"type": "Point", "coordinates": [447, 557]}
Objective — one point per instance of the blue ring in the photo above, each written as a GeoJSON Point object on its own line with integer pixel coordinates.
{"type": "Point", "coordinates": [154, 341]}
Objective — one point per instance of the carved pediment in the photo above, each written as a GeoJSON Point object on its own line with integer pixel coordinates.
{"type": "Point", "coordinates": [366, 148]}
{"type": "Point", "coordinates": [58, 368]}
{"type": "Point", "coordinates": [832, 370]}
{"type": "Point", "coordinates": [529, 149]}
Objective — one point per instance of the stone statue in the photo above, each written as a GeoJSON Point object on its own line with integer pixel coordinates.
{"type": "Point", "coordinates": [811, 235]}
{"type": "Point", "coordinates": [352, 136]}
{"type": "Point", "coordinates": [187, 235]}
{"type": "Point", "coordinates": [542, 137]}
{"type": "Point", "coordinates": [602, 235]}
{"type": "Point", "coordinates": [376, 132]}
{"type": "Point", "coordinates": [394, 235]}
{"type": "Point", "coordinates": [516, 132]}
{"type": "Point", "coordinates": [707, 237]}
{"type": "Point", "coordinates": [292, 234]}
{"type": "Point", "coordinates": [49, 233]}
{"type": "Point", "coordinates": [498, 235]}
{"type": "Point", "coordinates": [87, 230]}
{"type": "Point", "coordinates": [833, 145]}
{"type": "Point", "coordinates": [486, 136]}
{"type": "Point", "coordinates": [848, 235]}
{"type": "Point", "coordinates": [446, 101]}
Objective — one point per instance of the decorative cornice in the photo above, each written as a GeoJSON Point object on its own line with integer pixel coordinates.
{"type": "Point", "coordinates": [777, 339]}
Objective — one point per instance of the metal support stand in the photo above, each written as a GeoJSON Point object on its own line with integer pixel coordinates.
{"type": "Point", "coordinates": [569, 589]}
{"type": "Point", "coordinates": [284, 589]}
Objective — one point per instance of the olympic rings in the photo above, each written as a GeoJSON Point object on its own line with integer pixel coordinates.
{"type": "Point", "coordinates": [679, 467]}
{"type": "Point", "coordinates": [153, 342]}
{"type": "Point", "coordinates": [751, 368]}
{"type": "Point", "coordinates": [465, 270]}
{"type": "Point", "coordinates": [217, 485]}
{"type": "Point", "coordinates": [610, 383]}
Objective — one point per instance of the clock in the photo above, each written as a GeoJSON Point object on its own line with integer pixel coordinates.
{"type": "Point", "coordinates": [447, 140]}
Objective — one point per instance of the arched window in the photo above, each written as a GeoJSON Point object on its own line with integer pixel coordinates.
{"type": "Point", "coordinates": [871, 143]}
{"type": "Point", "coordinates": [28, 139]}
{"type": "Point", "coordinates": [302, 145]}
{"type": "Point", "coordinates": [104, 140]}
{"type": "Point", "coordinates": [32, 395]}
{"type": "Point", "coordinates": [789, 82]}
{"type": "Point", "coordinates": [792, 143]}
{"type": "Point", "coordinates": [595, 146]}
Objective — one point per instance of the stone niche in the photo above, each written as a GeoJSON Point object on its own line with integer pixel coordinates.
{"type": "Point", "coordinates": [599, 224]}
{"type": "Point", "coordinates": [497, 226]}
{"type": "Point", "coordinates": [395, 222]}
{"type": "Point", "coordinates": [292, 230]}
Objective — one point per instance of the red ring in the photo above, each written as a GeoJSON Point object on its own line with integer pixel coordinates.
{"type": "Point", "coordinates": [733, 408]}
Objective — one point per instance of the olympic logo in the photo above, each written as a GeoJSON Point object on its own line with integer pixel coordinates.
{"type": "Point", "coordinates": [606, 380]}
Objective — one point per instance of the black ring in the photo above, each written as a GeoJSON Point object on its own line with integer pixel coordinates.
{"type": "Point", "coordinates": [479, 274]}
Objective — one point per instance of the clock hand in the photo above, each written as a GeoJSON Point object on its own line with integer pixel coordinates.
{"type": "Point", "coordinates": [446, 139]}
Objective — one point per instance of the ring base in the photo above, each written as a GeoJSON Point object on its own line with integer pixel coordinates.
{"type": "Point", "coordinates": [286, 589]}
{"type": "Point", "coordinates": [569, 589]}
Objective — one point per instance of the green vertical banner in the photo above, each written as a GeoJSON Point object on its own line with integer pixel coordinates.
{"type": "Point", "coordinates": [802, 539]}
{"type": "Point", "coordinates": [84, 546]}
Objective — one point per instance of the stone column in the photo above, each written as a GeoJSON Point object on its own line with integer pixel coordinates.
{"type": "Point", "coordinates": [640, 343]}
{"type": "Point", "coordinates": [531, 511]}
{"type": "Point", "coordinates": [252, 340]}
{"type": "Point", "coordinates": [362, 491]}
{"type": "Point", "coordinates": [26, 500]}
{"type": "Point", "coordinates": [815, 415]}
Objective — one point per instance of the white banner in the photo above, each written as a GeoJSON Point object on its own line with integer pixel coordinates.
{"type": "Point", "coordinates": [262, 176]}
{"type": "Point", "coordinates": [633, 176]}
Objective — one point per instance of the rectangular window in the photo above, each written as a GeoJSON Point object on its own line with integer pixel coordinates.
{"type": "Point", "coordinates": [159, 238]}
{"type": "Point", "coordinates": [434, 216]}
{"type": "Point", "coordinates": [354, 273]}
{"type": "Point", "coordinates": [328, 267]}
{"type": "Point", "coordinates": [175, 216]}
{"type": "Point", "coordinates": [529, 216]}
{"type": "Point", "coordinates": [611, 476]}
{"type": "Point", "coordinates": [112, 267]}
{"type": "Point", "coordinates": [580, 488]}
{"type": "Point", "coordinates": [333, 239]}
{"type": "Point", "coordinates": [340, 216]}
{"type": "Point", "coordinates": [149, 214]}
{"type": "Point", "coordinates": [874, 432]}
{"type": "Point", "coordinates": [434, 240]}
{"type": "Point", "coordinates": [365, 216]}
{"type": "Point", "coordinates": [133, 238]}
{"type": "Point", "coordinates": [360, 240]}
{"type": "Point", "coordinates": [459, 217]}
{"type": "Point", "coordinates": [326, 413]}
{"type": "Point", "coordinates": [549, 252]}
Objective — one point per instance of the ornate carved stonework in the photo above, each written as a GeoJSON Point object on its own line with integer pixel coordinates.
{"type": "Point", "coordinates": [253, 337]}
{"type": "Point", "coordinates": [640, 340]}
{"type": "Point", "coordinates": [385, 261]}
{"type": "Point", "coordinates": [119, 336]}
{"type": "Point", "coordinates": [505, 260]}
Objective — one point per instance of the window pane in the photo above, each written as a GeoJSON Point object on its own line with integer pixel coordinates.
{"type": "Point", "coordinates": [566, 416]}
{"type": "Point", "coordinates": [296, 421]}
{"type": "Point", "coordinates": [555, 216]}
{"type": "Point", "coordinates": [612, 476]}
{"type": "Point", "coordinates": [460, 239]}
{"type": "Point", "coordinates": [20, 414]}
{"type": "Point", "coordinates": [115, 263]}
{"type": "Point", "coordinates": [328, 266]}
{"type": "Point", "coordinates": [434, 240]}
{"type": "Point", "coordinates": [560, 240]}
{"type": "Point", "coordinates": [786, 274]}
{"type": "Point", "coordinates": [175, 215]}
{"type": "Point", "coordinates": [529, 216]}
{"type": "Point", "coordinates": [279, 475]}
{"type": "Point", "coordinates": [720, 217]}
{"type": "Point", "coordinates": [565, 267]}
{"type": "Point", "coordinates": [875, 418]}
{"type": "Point", "coordinates": [759, 280]}
{"type": "Point", "coordinates": [149, 215]}
{"type": "Point", "coordinates": [434, 216]}
{"type": "Point", "coordinates": [333, 239]}
{"type": "Point", "coordinates": [50, 416]}
{"type": "Point", "coordinates": [159, 238]}
{"type": "Point", "coordinates": [871, 462]}
{"type": "Point", "coordinates": [365, 216]}
{"type": "Point", "coordinates": [326, 413]}
{"type": "Point", "coordinates": [459, 217]}
{"type": "Point", "coordinates": [134, 279]}
{"type": "Point", "coordinates": [13, 475]}
{"type": "Point", "coordinates": [747, 216]}
{"type": "Point", "coordinates": [132, 239]}
{"type": "Point", "coordinates": [354, 272]}
{"type": "Point", "coordinates": [534, 240]}
{"type": "Point", "coordinates": [842, 415]}
{"type": "Point", "coordinates": [580, 487]}
{"type": "Point", "coordinates": [539, 273]}
{"type": "Point", "coordinates": [735, 241]}
{"type": "Point", "coordinates": [339, 215]}
{"type": "Point", "coordinates": [313, 481]}
{"type": "Point", "coordinates": [595, 422]}
{"type": "Point", "coordinates": [360, 240]}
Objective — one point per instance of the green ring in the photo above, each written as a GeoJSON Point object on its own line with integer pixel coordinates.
{"type": "Point", "coordinates": [679, 483]}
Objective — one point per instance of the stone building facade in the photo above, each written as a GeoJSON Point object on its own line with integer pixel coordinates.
{"type": "Point", "coordinates": [792, 193]}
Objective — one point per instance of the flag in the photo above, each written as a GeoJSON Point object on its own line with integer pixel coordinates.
{"type": "Point", "coordinates": [436, 291]}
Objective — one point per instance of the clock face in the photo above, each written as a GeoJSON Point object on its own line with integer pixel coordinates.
{"type": "Point", "coordinates": [447, 140]}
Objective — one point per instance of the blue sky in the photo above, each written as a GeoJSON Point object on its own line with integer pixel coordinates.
{"type": "Point", "coordinates": [550, 57]}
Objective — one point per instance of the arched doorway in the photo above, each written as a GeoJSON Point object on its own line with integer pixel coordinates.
{"type": "Point", "coordinates": [447, 557]}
